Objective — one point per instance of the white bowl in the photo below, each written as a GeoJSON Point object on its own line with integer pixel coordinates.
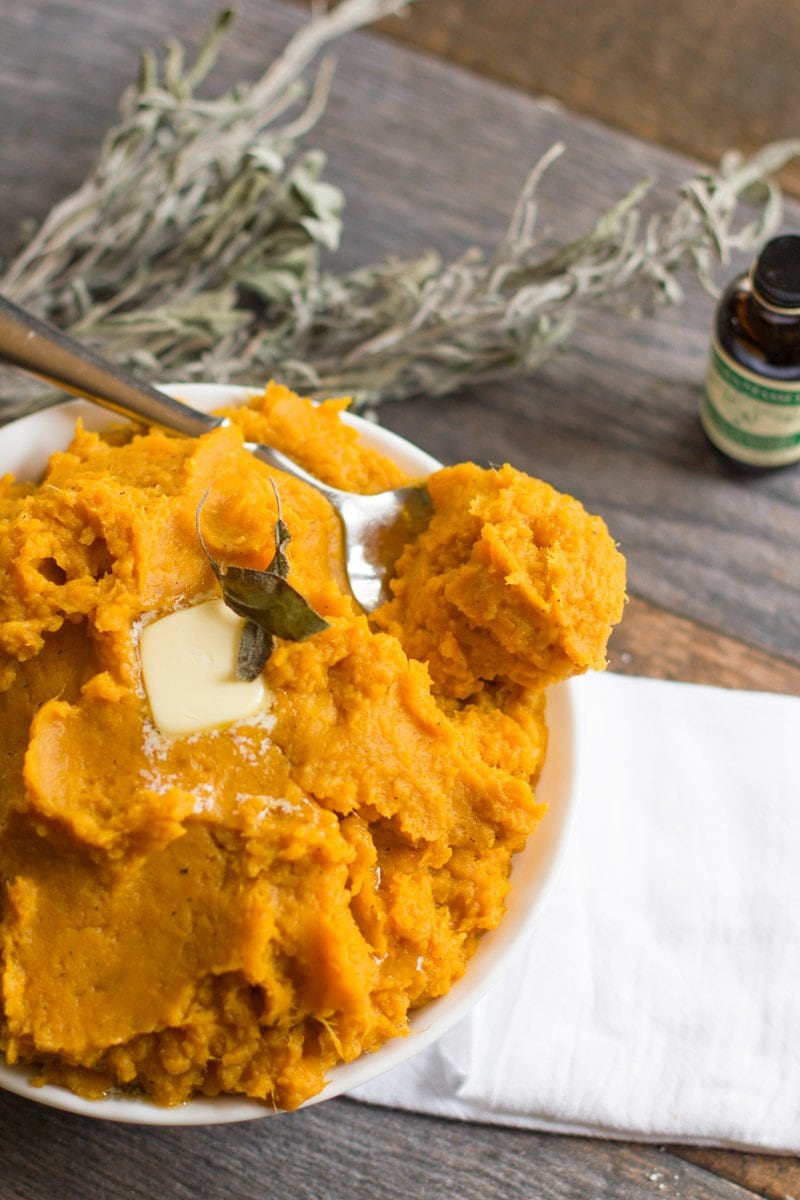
{"type": "Point", "coordinates": [24, 448]}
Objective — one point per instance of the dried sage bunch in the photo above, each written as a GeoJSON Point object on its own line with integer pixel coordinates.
{"type": "Point", "coordinates": [220, 278]}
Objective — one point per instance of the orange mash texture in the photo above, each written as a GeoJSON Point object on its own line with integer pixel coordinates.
{"type": "Point", "coordinates": [240, 909]}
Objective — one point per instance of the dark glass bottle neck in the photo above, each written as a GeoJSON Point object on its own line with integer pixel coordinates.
{"type": "Point", "coordinates": [758, 337]}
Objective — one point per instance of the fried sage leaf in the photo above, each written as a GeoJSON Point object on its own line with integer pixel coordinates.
{"type": "Point", "coordinates": [255, 647]}
{"type": "Point", "coordinates": [271, 607]}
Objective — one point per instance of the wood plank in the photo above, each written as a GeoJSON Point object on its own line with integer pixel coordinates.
{"type": "Point", "coordinates": [652, 642]}
{"type": "Point", "coordinates": [337, 1151]}
{"type": "Point", "coordinates": [768, 1176]}
{"type": "Point", "coordinates": [701, 78]}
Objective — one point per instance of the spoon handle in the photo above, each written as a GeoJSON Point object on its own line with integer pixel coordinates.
{"type": "Point", "coordinates": [43, 350]}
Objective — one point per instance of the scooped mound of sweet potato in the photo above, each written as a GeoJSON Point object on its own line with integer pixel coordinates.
{"type": "Point", "coordinates": [512, 582]}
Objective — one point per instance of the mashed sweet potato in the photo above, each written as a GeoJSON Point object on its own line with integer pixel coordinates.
{"type": "Point", "coordinates": [239, 909]}
{"type": "Point", "coordinates": [512, 582]}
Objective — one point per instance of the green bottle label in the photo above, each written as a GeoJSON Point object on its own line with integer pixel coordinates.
{"type": "Point", "coordinates": [749, 418]}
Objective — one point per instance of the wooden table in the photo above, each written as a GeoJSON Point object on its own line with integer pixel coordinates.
{"type": "Point", "coordinates": [430, 154]}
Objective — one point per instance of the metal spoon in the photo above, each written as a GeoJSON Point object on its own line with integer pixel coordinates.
{"type": "Point", "coordinates": [375, 527]}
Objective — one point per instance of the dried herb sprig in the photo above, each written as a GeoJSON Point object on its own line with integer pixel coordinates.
{"type": "Point", "coordinates": [155, 286]}
{"type": "Point", "coordinates": [404, 328]}
{"type": "Point", "coordinates": [271, 607]}
{"type": "Point", "coordinates": [221, 279]}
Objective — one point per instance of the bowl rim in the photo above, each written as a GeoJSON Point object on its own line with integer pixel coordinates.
{"type": "Point", "coordinates": [534, 870]}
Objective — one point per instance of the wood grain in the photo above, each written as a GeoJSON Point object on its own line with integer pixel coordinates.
{"type": "Point", "coordinates": [767, 1176]}
{"type": "Point", "coordinates": [701, 78]}
{"type": "Point", "coordinates": [655, 643]}
{"type": "Point", "coordinates": [339, 1151]}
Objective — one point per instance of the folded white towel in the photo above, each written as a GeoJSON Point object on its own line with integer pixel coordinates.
{"type": "Point", "coordinates": [658, 996]}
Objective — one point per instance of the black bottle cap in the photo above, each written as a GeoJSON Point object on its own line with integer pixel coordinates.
{"type": "Point", "coordinates": [776, 275]}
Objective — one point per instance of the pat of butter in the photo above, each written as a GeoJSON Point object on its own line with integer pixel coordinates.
{"type": "Point", "coordinates": [189, 668]}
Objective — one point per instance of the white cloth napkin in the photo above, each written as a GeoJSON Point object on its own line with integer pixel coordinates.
{"type": "Point", "coordinates": [658, 996]}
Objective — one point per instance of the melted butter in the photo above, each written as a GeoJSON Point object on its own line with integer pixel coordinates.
{"type": "Point", "coordinates": [189, 669]}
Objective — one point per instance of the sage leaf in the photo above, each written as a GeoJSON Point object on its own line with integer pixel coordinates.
{"type": "Point", "coordinates": [255, 648]}
{"type": "Point", "coordinates": [271, 607]}
{"type": "Point", "coordinates": [271, 602]}
{"type": "Point", "coordinates": [280, 563]}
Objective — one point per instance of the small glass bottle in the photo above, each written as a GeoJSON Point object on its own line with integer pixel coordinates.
{"type": "Point", "coordinates": [750, 407]}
